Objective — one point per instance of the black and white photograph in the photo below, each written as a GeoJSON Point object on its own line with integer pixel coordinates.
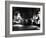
{"type": "Point", "coordinates": [24, 18]}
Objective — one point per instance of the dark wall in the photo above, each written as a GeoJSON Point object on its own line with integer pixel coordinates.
{"type": "Point", "coordinates": [26, 12]}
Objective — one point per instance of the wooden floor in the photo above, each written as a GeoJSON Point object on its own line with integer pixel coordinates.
{"type": "Point", "coordinates": [21, 27]}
